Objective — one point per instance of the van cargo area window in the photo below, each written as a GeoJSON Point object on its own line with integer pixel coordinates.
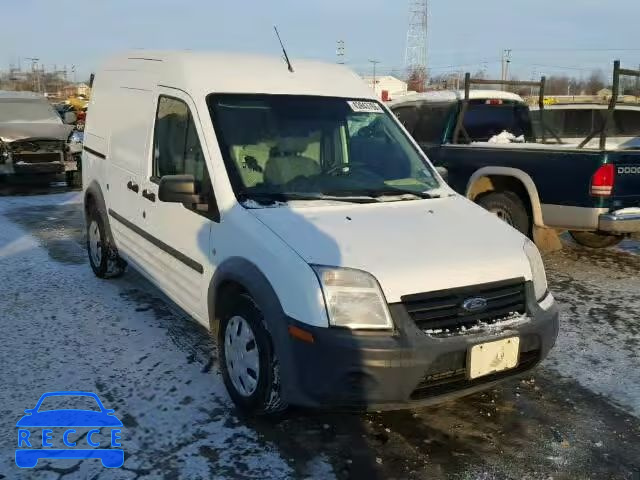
{"type": "Point", "coordinates": [176, 148]}
{"type": "Point", "coordinates": [275, 146]}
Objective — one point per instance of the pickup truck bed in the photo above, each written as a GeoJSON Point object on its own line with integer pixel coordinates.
{"type": "Point", "coordinates": [593, 193]}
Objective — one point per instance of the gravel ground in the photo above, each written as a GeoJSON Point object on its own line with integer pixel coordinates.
{"type": "Point", "coordinates": [574, 417]}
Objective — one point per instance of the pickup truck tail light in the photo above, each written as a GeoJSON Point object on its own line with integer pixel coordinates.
{"type": "Point", "coordinates": [603, 180]}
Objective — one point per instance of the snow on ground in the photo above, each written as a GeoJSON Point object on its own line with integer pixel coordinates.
{"type": "Point", "coordinates": [55, 318]}
{"type": "Point", "coordinates": [65, 329]}
{"type": "Point", "coordinates": [599, 342]}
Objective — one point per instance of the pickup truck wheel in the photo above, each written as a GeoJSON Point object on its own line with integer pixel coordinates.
{"type": "Point", "coordinates": [596, 239]}
{"type": "Point", "coordinates": [103, 257]}
{"type": "Point", "coordinates": [508, 207]}
{"type": "Point", "coordinates": [248, 363]}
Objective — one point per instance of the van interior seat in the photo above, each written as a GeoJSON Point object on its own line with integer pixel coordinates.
{"type": "Point", "coordinates": [287, 161]}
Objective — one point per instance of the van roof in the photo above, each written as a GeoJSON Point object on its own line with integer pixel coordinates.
{"type": "Point", "coordinates": [455, 95]}
{"type": "Point", "coordinates": [202, 73]}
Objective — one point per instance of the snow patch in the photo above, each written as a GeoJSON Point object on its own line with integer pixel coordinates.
{"type": "Point", "coordinates": [506, 137]}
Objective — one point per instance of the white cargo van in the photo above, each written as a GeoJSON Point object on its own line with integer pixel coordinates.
{"type": "Point", "coordinates": [290, 213]}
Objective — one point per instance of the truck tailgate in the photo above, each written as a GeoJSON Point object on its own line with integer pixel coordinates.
{"type": "Point", "coordinates": [626, 191]}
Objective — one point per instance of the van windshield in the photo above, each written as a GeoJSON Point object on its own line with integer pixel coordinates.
{"type": "Point", "coordinates": [284, 147]}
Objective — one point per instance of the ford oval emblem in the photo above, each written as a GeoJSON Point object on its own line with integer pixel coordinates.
{"type": "Point", "coordinates": [475, 304]}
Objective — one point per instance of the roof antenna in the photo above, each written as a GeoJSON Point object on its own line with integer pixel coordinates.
{"type": "Point", "coordinates": [286, 57]}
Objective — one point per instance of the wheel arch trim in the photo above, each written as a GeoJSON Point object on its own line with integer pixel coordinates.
{"type": "Point", "coordinates": [247, 275]}
{"type": "Point", "coordinates": [94, 191]}
{"type": "Point", "coordinates": [518, 174]}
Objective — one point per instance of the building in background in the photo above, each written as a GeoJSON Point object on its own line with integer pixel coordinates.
{"type": "Point", "coordinates": [387, 87]}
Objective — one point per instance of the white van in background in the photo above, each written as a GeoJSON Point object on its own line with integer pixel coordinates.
{"type": "Point", "coordinates": [290, 212]}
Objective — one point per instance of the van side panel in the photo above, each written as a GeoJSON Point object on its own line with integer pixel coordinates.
{"type": "Point", "coordinates": [131, 125]}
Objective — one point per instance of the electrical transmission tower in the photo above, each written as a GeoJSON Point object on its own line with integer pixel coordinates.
{"type": "Point", "coordinates": [416, 54]}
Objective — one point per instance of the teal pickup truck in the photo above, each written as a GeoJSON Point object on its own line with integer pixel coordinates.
{"type": "Point", "coordinates": [483, 142]}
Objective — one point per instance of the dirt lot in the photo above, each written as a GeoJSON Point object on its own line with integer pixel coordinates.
{"type": "Point", "coordinates": [575, 417]}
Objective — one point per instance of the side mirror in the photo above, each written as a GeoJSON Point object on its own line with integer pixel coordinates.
{"type": "Point", "coordinates": [182, 189]}
{"type": "Point", "coordinates": [29, 411]}
{"type": "Point", "coordinates": [179, 189]}
{"type": "Point", "coordinates": [70, 117]}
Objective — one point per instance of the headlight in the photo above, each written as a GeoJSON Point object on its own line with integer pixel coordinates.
{"type": "Point", "coordinates": [537, 269]}
{"type": "Point", "coordinates": [353, 298]}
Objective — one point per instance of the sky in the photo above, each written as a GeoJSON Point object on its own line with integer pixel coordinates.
{"type": "Point", "coordinates": [546, 36]}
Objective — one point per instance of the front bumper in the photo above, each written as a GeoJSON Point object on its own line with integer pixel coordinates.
{"type": "Point", "coordinates": [621, 221]}
{"type": "Point", "coordinates": [376, 371]}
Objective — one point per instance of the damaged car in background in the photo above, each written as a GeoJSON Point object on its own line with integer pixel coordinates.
{"type": "Point", "coordinates": [34, 140]}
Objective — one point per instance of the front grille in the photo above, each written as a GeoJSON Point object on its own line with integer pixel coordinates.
{"type": "Point", "coordinates": [46, 157]}
{"type": "Point", "coordinates": [453, 380]}
{"type": "Point", "coordinates": [442, 311]}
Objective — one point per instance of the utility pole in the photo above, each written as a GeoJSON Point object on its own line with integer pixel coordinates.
{"type": "Point", "coordinates": [506, 60]}
{"type": "Point", "coordinates": [374, 63]}
{"type": "Point", "coordinates": [340, 50]}
{"type": "Point", "coordinates": [34, 72]}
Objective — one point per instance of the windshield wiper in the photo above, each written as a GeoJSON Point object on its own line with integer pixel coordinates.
{"type": "Point", "coordinates": [401, 191]}
{"type": "Point", "coordinates": [271, 198]}
{"type": "Point", "coordinates": [385, 192]}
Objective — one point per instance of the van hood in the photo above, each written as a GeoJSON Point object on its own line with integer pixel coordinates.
{"type": "Point", "coordinates": [409, 246]}
{"type": "Point", "coordinates": [11, 132]}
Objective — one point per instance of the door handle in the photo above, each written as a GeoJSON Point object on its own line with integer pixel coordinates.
{"type": "Point", "coordinates": [133, 186]}
{"type": "Point", "coordinates": [149, 195]}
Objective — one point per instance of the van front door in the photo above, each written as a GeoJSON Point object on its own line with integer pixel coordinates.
{"type": "Point", "coordinates": [180, 235]}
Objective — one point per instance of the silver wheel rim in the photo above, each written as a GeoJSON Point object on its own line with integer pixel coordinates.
{"type": "Point", "coordinates": [502, 215]}
{"type": "Point", "coordinates": [241, 356]}
{"type": "Point", "coordinates": [95, 244]}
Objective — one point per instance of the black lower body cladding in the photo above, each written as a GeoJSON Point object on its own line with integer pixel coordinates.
{"type": "Point", "coordinates": [406, 368]}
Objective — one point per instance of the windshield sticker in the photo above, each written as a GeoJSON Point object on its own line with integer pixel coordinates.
{"type": "Point", "coordinates": [365, 107]}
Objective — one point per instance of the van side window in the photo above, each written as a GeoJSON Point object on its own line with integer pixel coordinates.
{"type": "Point", "coordinates": [176, 148]}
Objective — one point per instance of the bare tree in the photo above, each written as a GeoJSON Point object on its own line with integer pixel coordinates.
{"type": "Point", "coordinates": [595, 82]}
{"type": "Point", "coordinates": [417, 80]}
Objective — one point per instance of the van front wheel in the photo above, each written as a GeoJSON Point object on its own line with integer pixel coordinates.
{"type": "Point", "coordinates": [596, 239]}
{"type": "Point", "coordinates": [248, 363]}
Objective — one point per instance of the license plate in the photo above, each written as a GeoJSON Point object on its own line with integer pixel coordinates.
{"type": "Point", "coordinates": [487, 358]}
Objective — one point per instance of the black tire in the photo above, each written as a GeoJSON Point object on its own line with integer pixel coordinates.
{"type": "Point", "coordinates": [508, 207]}
{"type": "Point", "coordinates": [106, 264]}
{"type": "Point", "coordinates": [596, 239]}
{"type": "Point", "coordinates": [74, 179]}
{"type": "Point", "coordinates": [266, 398]}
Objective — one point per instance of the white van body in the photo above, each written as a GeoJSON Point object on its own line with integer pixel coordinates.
{"type": "Point", "coordinates": [410, 246]}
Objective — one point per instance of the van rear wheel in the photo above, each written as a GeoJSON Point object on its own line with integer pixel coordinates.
{"type": "Point", "coordinates": [508, 207]}
{"type": "Point", "coordinates": [247, 360]}
{"type": "Point", "coordinates": [596, 239]}
{"type": "Point", "coordinates": [103, 257]}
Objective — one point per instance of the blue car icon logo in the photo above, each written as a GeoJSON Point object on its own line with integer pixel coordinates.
{"type": "Point", "coordinates": [36, 429]}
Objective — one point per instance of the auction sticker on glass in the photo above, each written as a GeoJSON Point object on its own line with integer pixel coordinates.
{"type": "Point", "coordinates": [487, 358]}
{"type": "Point", "coordinates": [362, 106]}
